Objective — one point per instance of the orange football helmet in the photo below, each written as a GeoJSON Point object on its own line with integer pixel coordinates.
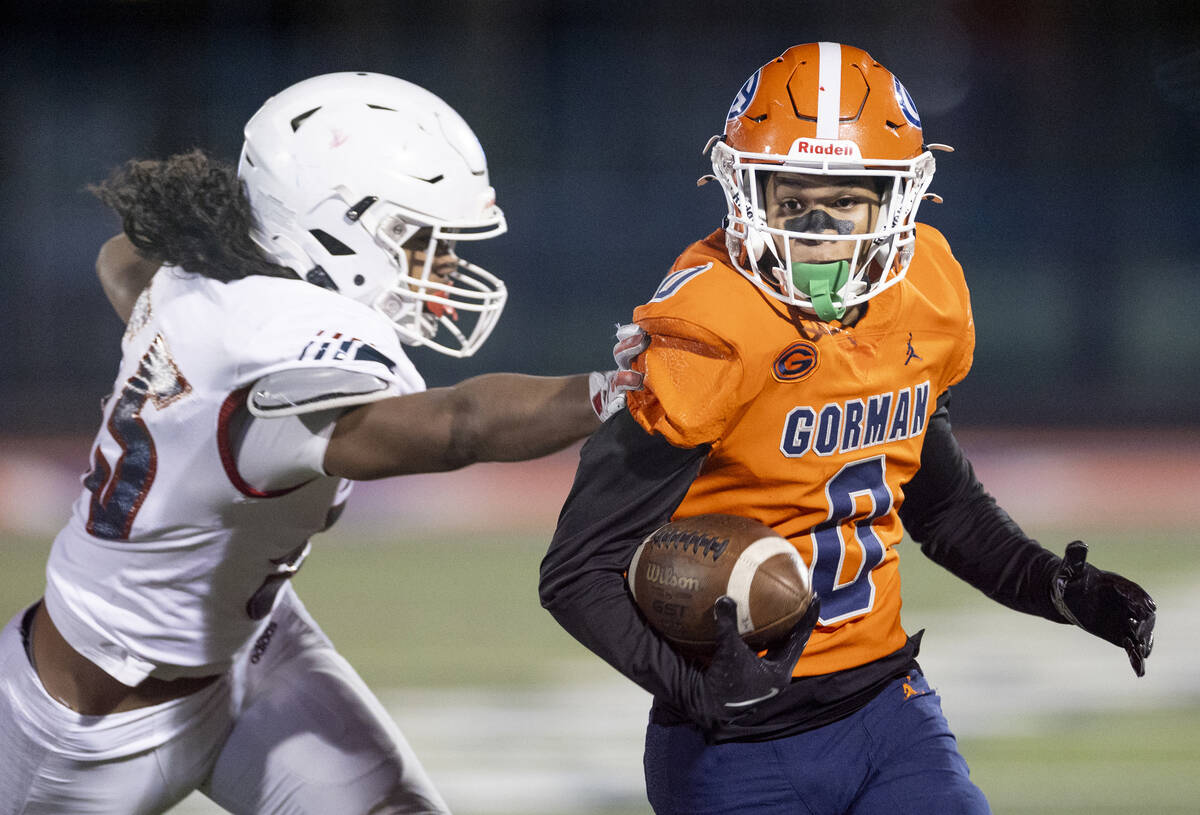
{"type": "Point", "coordinates": [822, 109]}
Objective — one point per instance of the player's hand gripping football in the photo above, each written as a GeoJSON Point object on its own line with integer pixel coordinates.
{"type": "Point", "coordinates": [736, 679]}
{"type": "Point", "coordinates": [608, 388]}
{"type": "Point", "coordinates": [1112, 607]}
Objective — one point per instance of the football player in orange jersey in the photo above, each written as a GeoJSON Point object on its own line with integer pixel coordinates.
{"type": "Point", "coordinates": [798, 373]}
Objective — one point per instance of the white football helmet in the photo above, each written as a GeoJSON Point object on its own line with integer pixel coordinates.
{"type": "Point", "coordinates": [822, 110]}
{"type": "Point", "coordinates": [343, 169]}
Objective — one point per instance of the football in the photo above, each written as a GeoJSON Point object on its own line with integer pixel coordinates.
{"type": "Point", "coordinates": [680, 570]}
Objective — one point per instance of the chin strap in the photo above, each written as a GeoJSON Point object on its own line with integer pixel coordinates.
{"type": "Point", "coordinates": [822, 282]}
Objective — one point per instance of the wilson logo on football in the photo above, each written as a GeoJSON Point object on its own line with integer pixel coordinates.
{"type": "Point", "coordinates": [666, 576]}
{"type": "Point", "coordinates": [798, 361]}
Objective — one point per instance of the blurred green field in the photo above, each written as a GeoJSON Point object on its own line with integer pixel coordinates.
{"type": "Point", "coordinates": [461, 612]}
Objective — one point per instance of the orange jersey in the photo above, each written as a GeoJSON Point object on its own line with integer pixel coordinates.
{"type": "Point", "coordinates": [814, 427]}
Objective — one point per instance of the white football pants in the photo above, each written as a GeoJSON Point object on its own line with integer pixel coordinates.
{"type": "Point", "coordinates": [290, 730]}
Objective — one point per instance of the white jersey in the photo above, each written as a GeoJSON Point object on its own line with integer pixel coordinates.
{"type": "Point", "coordinates": [172, 560]}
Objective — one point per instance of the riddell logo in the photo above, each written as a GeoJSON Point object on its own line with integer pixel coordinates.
{"type": "Point", "coordinates": [823, 147]}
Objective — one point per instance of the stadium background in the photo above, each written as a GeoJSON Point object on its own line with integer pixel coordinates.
{"type": "Point", "coordinates": [1070, 202]}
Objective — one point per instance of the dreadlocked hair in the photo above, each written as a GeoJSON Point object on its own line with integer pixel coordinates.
{"type": "Point", "coordinates": [189, 210]}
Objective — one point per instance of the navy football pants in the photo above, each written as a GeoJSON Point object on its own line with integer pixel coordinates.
{"type": "Point", "coordinates": [895, 756]}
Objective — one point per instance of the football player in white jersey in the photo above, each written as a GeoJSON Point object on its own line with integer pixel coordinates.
{"type": "Point", "coordinates": [263, 369]}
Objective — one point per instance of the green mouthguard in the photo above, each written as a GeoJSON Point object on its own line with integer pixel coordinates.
{"type": "Point", "coordinates": [821, 281]}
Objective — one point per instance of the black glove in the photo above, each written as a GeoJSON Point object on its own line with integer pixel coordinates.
{"type": "Point", "coordinates": [1105, 604]}
{"type": "Point", "coordinates": [736, 679]}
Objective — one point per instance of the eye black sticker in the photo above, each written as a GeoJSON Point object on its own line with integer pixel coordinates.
{"type": "Point", "coordinates": [817, 221]}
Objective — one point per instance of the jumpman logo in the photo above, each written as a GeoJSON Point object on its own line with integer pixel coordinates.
{"type": "Point", "coordinates": [912, 354]}
{"type": "Point", "coordinates": [909, 691]}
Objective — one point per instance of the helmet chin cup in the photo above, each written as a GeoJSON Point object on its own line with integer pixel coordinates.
{"type": "Point", "coordinates": [412, 324]}
{"type": "Point", "coordinates": [756, 244]}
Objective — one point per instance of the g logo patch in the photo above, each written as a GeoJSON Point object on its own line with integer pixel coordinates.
{"type": "Point", "coordinates": [796, 362]}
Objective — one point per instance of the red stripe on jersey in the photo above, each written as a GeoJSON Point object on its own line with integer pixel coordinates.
{"type": "Point", "coordinates": [225, 445]}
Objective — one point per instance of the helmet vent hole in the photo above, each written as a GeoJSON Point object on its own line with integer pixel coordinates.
{"type": "Point", "coordinates": [319, 277]}
{"type": "Point", "coordinates": [299, 120]}
{"type": "Point", "coordinates": [332, 245]}
{"type": "Point", "coordinates": [380, 107]}
{"type": "Point", "coordinates": [359, 280]}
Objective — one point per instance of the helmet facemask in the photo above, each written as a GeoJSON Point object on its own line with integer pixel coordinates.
{"type": "Point", "coordinates": [445, 302]}
{"type": "Point", "coordinates": [875, 257]}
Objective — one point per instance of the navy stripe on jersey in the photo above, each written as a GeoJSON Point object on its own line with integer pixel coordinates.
{"type": "Point", "coordinates": [674, 281]}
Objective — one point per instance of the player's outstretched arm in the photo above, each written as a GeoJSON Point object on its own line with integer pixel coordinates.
{"type": "Point", "coordinates": [961, 527]}
{"type": "Point", "coordinates": [123, 273]}
{"type": "Point", "coordinates": [494, 417]}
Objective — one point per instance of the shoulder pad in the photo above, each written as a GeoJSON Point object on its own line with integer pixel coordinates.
{"type": "Point", "coordinates": [673, 281]}
{"type": "Point", "coordinates": [304, 390]}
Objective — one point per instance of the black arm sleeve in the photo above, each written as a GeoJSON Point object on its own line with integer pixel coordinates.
{"type": "Point", "coordinates": [959, 526]}
{"type": "Point", "coordinates": [628, 484]}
